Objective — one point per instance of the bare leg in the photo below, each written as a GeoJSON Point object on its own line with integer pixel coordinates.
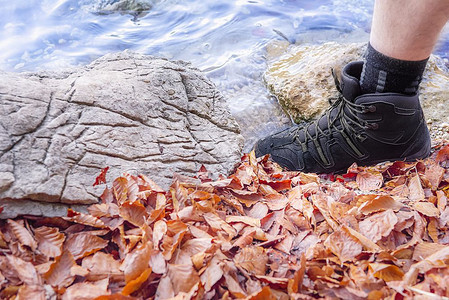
{"type": "Point", "coordinates": [408, 29]}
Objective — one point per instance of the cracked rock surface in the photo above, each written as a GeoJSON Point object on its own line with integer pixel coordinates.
{"type": "Point", "coordinates": [130, 112]}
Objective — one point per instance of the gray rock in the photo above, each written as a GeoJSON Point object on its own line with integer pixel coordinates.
{"type": "Point", "coordinates": [130, 112]}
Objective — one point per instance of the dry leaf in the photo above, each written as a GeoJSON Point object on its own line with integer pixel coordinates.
{"type": "Point", "coordinates": [369, 180]}
{"type": "Point", "coordinates": [253, 259]}
{"type": "Point", "coordinates": [378, 225]}
{"type": "Point", "coordinates": [49, 240]}
{"type": "Point", "coordinates": [83, 244]}
{"type": "Point", "coordinates": [343, 245]}
{"type": "Point", "coordinates": [22, 234]}
{"type": "Point", "coordinates": [60, 272]}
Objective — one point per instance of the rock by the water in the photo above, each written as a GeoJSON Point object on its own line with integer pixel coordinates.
{"type": "Point", "coordinates": [301, 79]}
{"type": "Point", "coordinates": [130, 112]}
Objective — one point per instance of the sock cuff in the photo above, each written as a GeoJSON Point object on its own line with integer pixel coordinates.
{"type": "Point", "coordinates": [403, 67]}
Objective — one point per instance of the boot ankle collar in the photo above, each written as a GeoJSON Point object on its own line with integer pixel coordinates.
{"type": "Point", "coordinates": [350, 76]}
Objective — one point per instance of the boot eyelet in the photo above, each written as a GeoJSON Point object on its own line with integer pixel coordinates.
{"type": "Point", "coordinates": [372, 108]}
{"type": "Point", "coordinates": [373, 126]}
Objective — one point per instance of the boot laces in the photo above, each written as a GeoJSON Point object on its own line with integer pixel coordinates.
{"type": "Point", "coordinates": [350, 124]}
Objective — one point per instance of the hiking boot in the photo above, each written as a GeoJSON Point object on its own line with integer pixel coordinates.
{"type": "Point", "coordinates": [366, 129]}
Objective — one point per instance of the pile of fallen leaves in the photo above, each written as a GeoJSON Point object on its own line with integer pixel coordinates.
{"type": "Point", "coordinates": [261, 233]}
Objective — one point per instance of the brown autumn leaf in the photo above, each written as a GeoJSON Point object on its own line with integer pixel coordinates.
{"type": "Point", "coordinates": [61, 272]}
{"type": "Point", "coordinates": [102, 265]}
{"type": "Point", "coordinates": [35, 292]}
{"type": "Point", "coordinates": [84, 219]}
{"type": "Point", "coordinates": [182, 277]}
{"type": "Point", "coordinates": [102, 177]}
{"type": "Point", "coordinates": [243, 219]}
{"type": "Point", "coordinates": [83, 244]}
{"type": "Point", "coordinates": [376, 203]}
{"type": "Point", "coordinates": [103, 210]}
{"type": "Point", "coordinates": [416, 192]}
{"type": "Point", "coordinates": [386, 272]}
{"type": "Point", "coordinates": [49, 240]}
{"type": "Point", "coordinates": [369, 180]}
{"type": "Point", "coordinates": [22, 234]}
{"type": "Point", "coordinates": [86, 290]}
{"type": "Point", "coordinates": [213, 273]}
{"type": "Point", "coordinates": [136, 262]}
{"type": "Point", "coordinates": [427, 209]}
{"type": "Point", "coordinates": [253, 259]}
{"type": "Point", "coordinates": [175, 232]}
{"type": "Point", "coordinates": [135, 284]}
{"type": "Point", "coordinates": [135, 213]}
{"type": "Point", "coordinates": [217, 224]}
{"type": "Point", "coordinates": [343, 245]}
{"type": "Point", "coordinates": [434, 173]}
{"type": "Point", "coordinates": [25, 270]}
{"type": "Point", "coordinates": [264, 294]}
{"type": "Point", "coordinates": [378, 225]}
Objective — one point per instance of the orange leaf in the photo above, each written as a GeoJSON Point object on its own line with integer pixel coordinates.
{"type": "Point", "coordinates": [344, 246]}
{"type": "Point", "coordinates": [120, 189]}
{"type": "Point", "coordinates": [103, 210]}
{"type": "Point", "coordinates": [84, 219]}
{"type": "Point", "coordinates": [369, 180]}
{"type": "Point", "coordinates": [22, 234]}
{"type": "Point", "coordinates": [263, 294]}
{"type": "Point", "coordinates": [35, 292]}
{"type": "Point", "coordinates": [175, 232]}
{"type": "Point", "coordinates": [376, 203]}
{"type": "Point", "coordinates": [253, 259]}
{"type": "Point", "coordinates": [295, 284]}
{"type": "Point", "coordinates": [83, 244]}
{"type": "Point", "coordinates": [183, 277]}
{"type": "Point", "coordinates": [386, 272]}
{"type": "Point", "coordinates": [25, 270]}
{"type": "Point", "coordinates": [136, 262]}
{"type": "Point", "coordinates": [60, 272]}
{"type": "Point", "coordinates": [102, 265]}
{"type": "Point", "coordinates": [84, 290]}
{"type": "Point", "coordinates": [378, 225]}
{"type": "Point", "coordinates": [216, 223]}
{"type": "Point", "coordinates": [443, 154]}
{"type": "Point", "coordinates": [49, 240]}
{"type": "Point", "coordinates": [135, 213]}
{"type": "Point", "coordinates": [135, 284]}
{"type": "Point", "coordinates": [427, 209]}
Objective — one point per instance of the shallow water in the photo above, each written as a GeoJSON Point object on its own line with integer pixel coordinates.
{"type": "Point", "coordinates": [227, 40]}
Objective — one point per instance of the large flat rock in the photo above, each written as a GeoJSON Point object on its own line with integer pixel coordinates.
{"type": "Point", "coordinates": [301, 78]}
{"type": "Point", "coordinates": [129, 112]}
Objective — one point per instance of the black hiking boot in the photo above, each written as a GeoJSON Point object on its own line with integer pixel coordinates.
{"type": "Point", "coordinates": [366, 129]}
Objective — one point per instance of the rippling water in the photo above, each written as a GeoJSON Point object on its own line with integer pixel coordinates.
{"type": "Point", "coordinates": [227, 40]}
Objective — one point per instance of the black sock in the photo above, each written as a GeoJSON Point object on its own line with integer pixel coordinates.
{"type": "Point", "coordinates": [382, 74]}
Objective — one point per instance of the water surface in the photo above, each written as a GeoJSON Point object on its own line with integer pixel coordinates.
{"type": "Point", "coordinates": [225, 39]}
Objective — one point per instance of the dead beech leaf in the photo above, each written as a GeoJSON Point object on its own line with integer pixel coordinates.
{"type": "Point", "coordinates": [295, 283]}
{"type": "Point", "coordinates": [369, 180]}
{"type": "Point", "coordinates": [136, 262]}
{"type": "Point", "coordinates": [343, 245]}
{"type": "Point", "coordinates": [182, 277]}
{"type": "Point", "coordinates": [243, 219]}
{"type": "Point", "coordinates": [264, 294]}
{"type": "Point", "coordinates": [427, 209]}
{"type": "Point", "coordinates": [434, 173]}
{"type": "Point", "coordinates": [159, 230]}
{"type": "Point", "coordinates": [83, 244]}
{"type": "Point", "coordinates": [135, 213]}
{"type": "Point", "coordinates": [253, 259]}
{"type": "Point", "coordinates": [386, 272]}
{"type": "Point", "coordinates": [84, 219]}
{"type": "Point", "coordinates": [60, 272]}
{"type": "Point", "coordinates": [102, 177]}
{"type": "Point", "coordinates": [212, 274]}
{"type": "Point", "coordinates": [35, 292]}
{"type": "Point", "coordinates": [216, 223]}
{"type": "Point", "coordinates": [276, 201]}
{"type": "Point", "coordinates": [84, 291]}
{"type": "Point", "coordinates": [102, 265]}
{"type": "Point", "coordinates": [424, 250]}
{"type": "Point", "coordinates": [135, 284]}
{"type": "Point", "coordinates": [25, 270]}
{"type": "Point", "coordinates": [103, 210]}
{"type": "Point", "coordinates": [22, 234]}
{"type": "Point", "coordinates": [49, 240]}
{"type": "Point", "coordinates": [376, 203]}
{"type": "Point", "coordinates": [378, 225]}
{"type": "Point", "coordinates": [415, 189]}
{"type": "Point", "coordinates": [120, 189]}
{"type": "Point", "coordinates": [175, 232]}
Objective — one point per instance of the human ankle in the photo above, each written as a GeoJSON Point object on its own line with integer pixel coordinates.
{"type": "Point", "coordinates": [383, 74]}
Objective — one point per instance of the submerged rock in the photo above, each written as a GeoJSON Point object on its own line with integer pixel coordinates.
{"type": "Point", "coordinates": [129, 112]}
{"type": "Point", "coordinates": [301, 79]}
